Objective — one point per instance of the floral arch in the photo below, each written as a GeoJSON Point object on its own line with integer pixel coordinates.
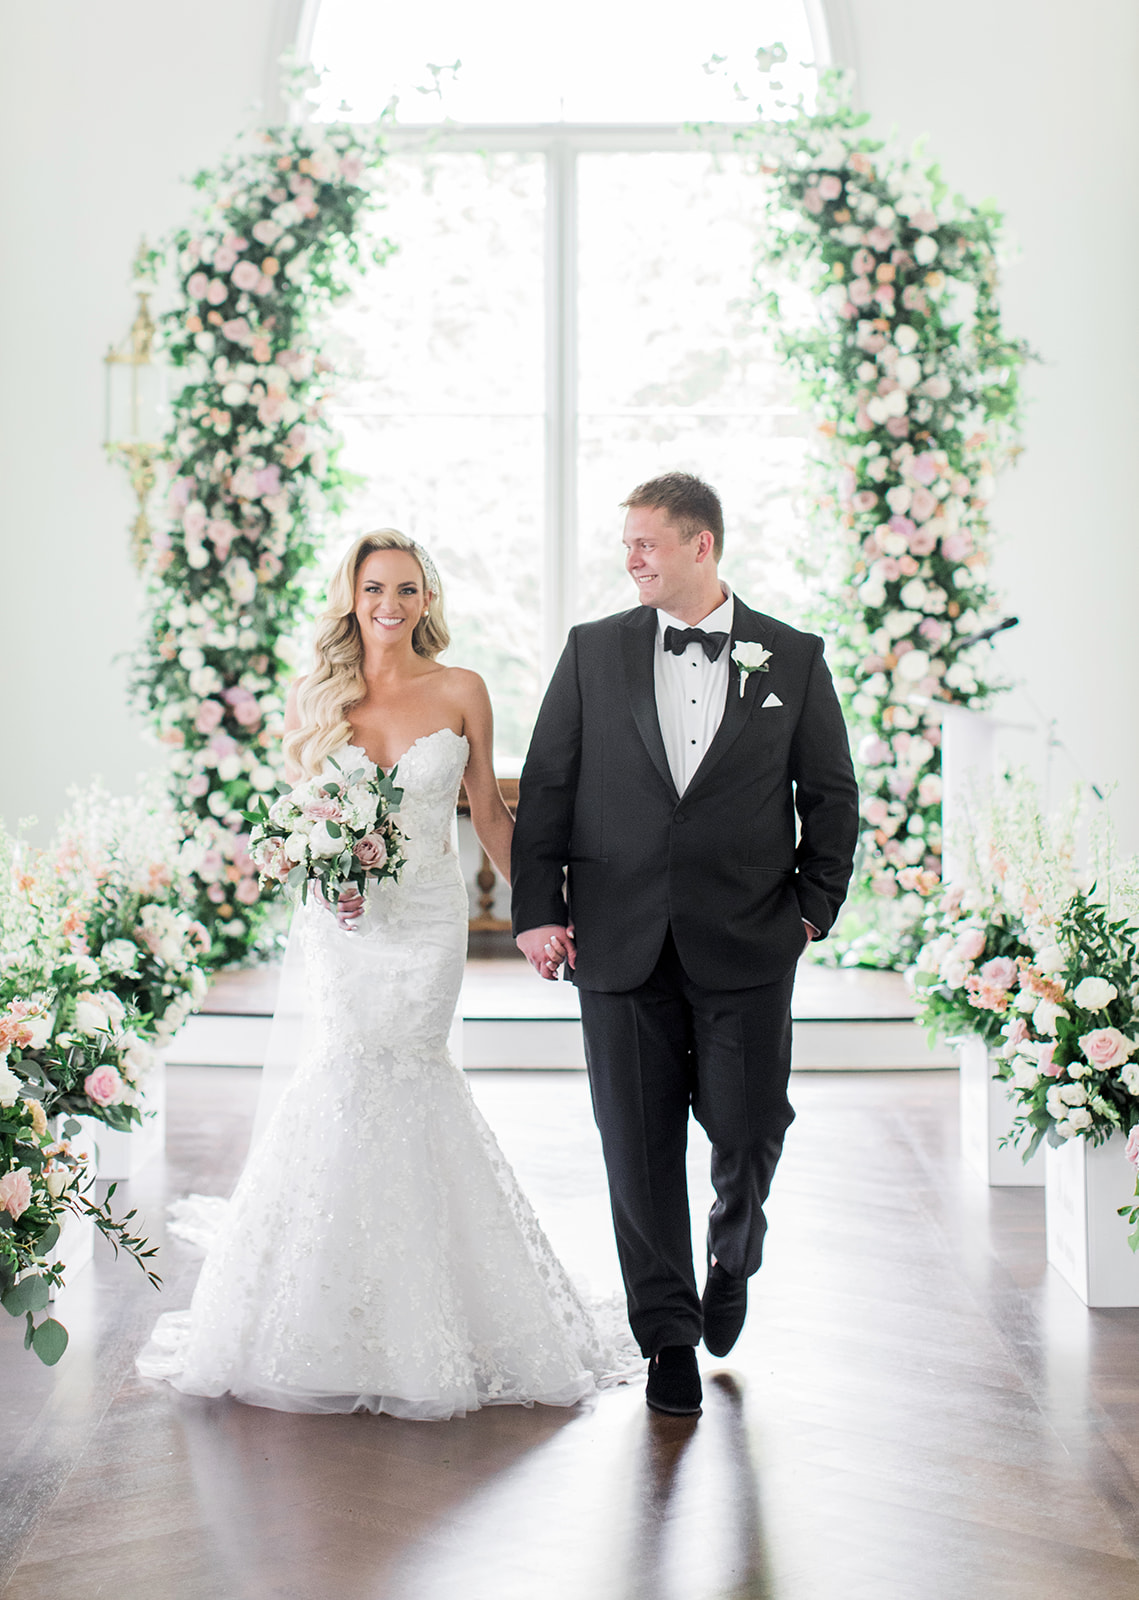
{"type": "Point", "coordinates": [898, 346]}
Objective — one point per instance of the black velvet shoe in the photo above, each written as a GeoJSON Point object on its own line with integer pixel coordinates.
{"type": "Point", "coordinates": [674, 1382]}
{"type": "Point", "coordinates": [724, 1304]}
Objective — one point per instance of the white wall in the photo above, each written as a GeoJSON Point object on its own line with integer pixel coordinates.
{"type": "Point", "coordinates": [106, 108]}
{"type": "Point", "coordinates": [1038, 106]}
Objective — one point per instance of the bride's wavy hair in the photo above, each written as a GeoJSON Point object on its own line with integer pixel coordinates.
{"type": "Point", "coordinates": [336, 682]}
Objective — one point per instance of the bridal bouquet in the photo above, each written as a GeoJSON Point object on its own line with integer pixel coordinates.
{"type": "Point", "coordinates": [338, 832]}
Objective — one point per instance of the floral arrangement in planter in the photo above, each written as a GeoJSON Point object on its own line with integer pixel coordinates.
{"type": "Point", "coordinates": [1041, 960]}
{"type": "Point", "coordinates": [98, 967]}
{"type": "Point", "coordinates": [42, 1180]}
{"type": "Point", "coordinates": [253, 471]}
{"type": "Point", "coordinates": [891, 323]}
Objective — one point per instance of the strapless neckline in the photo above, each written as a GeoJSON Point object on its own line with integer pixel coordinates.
{"type": "Point", "coordinates": [424, 738]}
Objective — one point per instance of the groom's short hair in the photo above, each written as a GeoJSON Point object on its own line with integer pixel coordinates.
{"type": "Point", "coordinates": [690, 504]}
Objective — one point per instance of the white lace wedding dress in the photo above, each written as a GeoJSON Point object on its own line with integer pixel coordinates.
{"type": "Point", "coordinates": [377, 1252]}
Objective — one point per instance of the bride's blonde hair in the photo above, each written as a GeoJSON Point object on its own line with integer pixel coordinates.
{"type": "Point", "coordinates": [336, 682]}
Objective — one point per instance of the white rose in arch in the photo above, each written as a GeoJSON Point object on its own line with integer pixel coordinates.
{"type": "Point", "coordinates": [912, 666]}
{"type": "Point", "coordinates": [925, 250]}
{"type": "Point", "coordinates": [906, 338]}
{"type": "Point", "coordinates": [908, 372]}
{"type": "Point", "coordinates": [1093, 994]}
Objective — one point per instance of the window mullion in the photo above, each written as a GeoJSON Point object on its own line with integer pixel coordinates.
{"type": "Point", "coordinates": [560, 564]}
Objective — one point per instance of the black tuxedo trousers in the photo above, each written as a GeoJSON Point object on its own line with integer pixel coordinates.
{"type": "Point", "coordinates": [688, 913]}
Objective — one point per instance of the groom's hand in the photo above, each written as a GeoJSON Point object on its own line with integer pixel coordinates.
{"type": "Point", "coordinates": [547, 947]}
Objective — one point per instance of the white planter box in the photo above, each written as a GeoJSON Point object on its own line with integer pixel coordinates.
{"type": "Point", "coordinates": [118, 1156]}
{"type": "Point", "coordinates": [987, 1112]}
{"type": "Point", "coordinates": [74, 1247]}
{"type": "Point", "coordinates": [1086, 1239]}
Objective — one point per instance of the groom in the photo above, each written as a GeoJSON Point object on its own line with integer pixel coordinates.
{"type": "Point", "coordinates": [655, 851]}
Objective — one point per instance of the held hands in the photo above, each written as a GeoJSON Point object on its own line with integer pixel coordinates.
{"type": "Point", "coordinates": [547, 947]}
{"type": "Point", "coordinates": [347, 910]}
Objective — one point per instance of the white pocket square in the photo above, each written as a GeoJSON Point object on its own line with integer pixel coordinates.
{"type": "Point", "coordinates": [772, 700]}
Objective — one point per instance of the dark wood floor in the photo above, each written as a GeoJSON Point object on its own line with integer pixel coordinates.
{"type": "Point", "coordinates": [918, 1409]}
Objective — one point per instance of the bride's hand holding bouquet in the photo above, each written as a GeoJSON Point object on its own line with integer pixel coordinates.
{"type": "Point", "coordinates": [335, 832]}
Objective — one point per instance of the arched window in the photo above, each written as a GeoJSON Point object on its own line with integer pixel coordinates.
{"type": "Point", "coordinates": [568, 310]}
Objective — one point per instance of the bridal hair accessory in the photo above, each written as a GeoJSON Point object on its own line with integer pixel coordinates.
{"type": "Point", "coordinates": [430, 571]}
{"type": "Point", "coordinates": [750, 658]}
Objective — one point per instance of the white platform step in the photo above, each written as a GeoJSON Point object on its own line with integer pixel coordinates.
{"type": "Point", "coordinates": [852, 1043]}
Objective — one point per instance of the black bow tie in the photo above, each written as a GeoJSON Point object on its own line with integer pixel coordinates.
{"type": "Point", "coordinates": [678, 639]}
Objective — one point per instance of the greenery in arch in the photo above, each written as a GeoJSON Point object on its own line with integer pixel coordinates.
{"type": "Point", "coordinates": [900, 354]}
{"type": "Point", "coordinates": [889, 318]}
{"type": "Point", "coordinates": [254, 480]}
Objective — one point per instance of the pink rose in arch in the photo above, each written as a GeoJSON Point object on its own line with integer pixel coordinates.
{"type": "Point", "coordinates": [237, 330]}
{"type": "Point", "coordinates": [247, 713]}
{"type": "Point", "coordinates": [880, 239]}
{"type": "Point", "coordinates": [956, 546]}
{"type": "Point", "coordinates": [216, 291]}
{"type": "Point", "coordinates": [197, 284]}
{"type": "Point", "coordinates": [862, 262]}
{"type": "Point", "coordinates": [103, 1086]}
{"type": "Point", "coordinates": [198, 786]}
{"type": "Point", "coordinates": [922, 505]}
{"type": "Point", "coordinates": [922, 468]}
{"type": "Point", "coordinates": [210, 713]}
{"type": "Point", "coordinates": [269, 480]}
{"type": "Point", "coordinates": [898, 427]}
{"type": "Point", "coordinates": [350, 168]}
{"type": "Point", "coordinates": [876, 811]}
{"type": "Point", "coordinates": [812, 201]}
{"type": "Point", "coordinates": [1133, 1147]}
{"type": "Point", "coordinates": [872, 751]}
{"type": "Point", "coordinates": [923, 541]}
{"type": "Point", "coordinates": [246, 275]}
{"type": "Point", "coordinates": [830, 186]}
{"type": "Point", "coordinates": [15, 1192]}
{"type": "Point", "coordinates": [861, 291]}
{"type": "Point", "coordinates": [247, 892]}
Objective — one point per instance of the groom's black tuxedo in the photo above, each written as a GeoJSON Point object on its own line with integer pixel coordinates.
{"type": "Point", "coordinates": [688, 916]}
{"type": "Point", "coordinates": [719, 864]}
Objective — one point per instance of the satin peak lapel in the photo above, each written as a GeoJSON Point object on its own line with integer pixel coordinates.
{"type": "Point", "coordinates": [638, 637]}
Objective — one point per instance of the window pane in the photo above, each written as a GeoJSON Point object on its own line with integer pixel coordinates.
{"type": "Point", "coordinates": [443, 416]}
{"type": "Point", "coordinates": [676, 372]}
{"type": "Point", "coordinates": [592, 62]}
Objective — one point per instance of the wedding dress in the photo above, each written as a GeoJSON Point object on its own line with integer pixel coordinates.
{"type": "Point", "coordinates": [378, 1252]}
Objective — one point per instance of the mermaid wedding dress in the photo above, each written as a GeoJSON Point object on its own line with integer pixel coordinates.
{"type": "Point", "coordinates": [377, 1252]}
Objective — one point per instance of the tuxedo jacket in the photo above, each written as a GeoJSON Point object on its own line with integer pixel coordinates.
{"type": "Point", "coordinates": [601, 825]}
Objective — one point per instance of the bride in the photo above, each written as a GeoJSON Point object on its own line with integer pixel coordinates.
{"type": "Point", "coordinates": [377, 1252]}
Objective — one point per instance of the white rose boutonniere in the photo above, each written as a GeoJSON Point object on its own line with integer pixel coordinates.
{"type": "Point", "coordinates": [750, 658]}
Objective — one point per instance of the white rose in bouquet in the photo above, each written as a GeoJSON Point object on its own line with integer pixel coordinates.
{"type": "Point", "coordinates": [323, 844]}
{"type": "Point", "coordinates": [11, 1087]}
{"type": "Point", "coordinates": [296, 846]}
